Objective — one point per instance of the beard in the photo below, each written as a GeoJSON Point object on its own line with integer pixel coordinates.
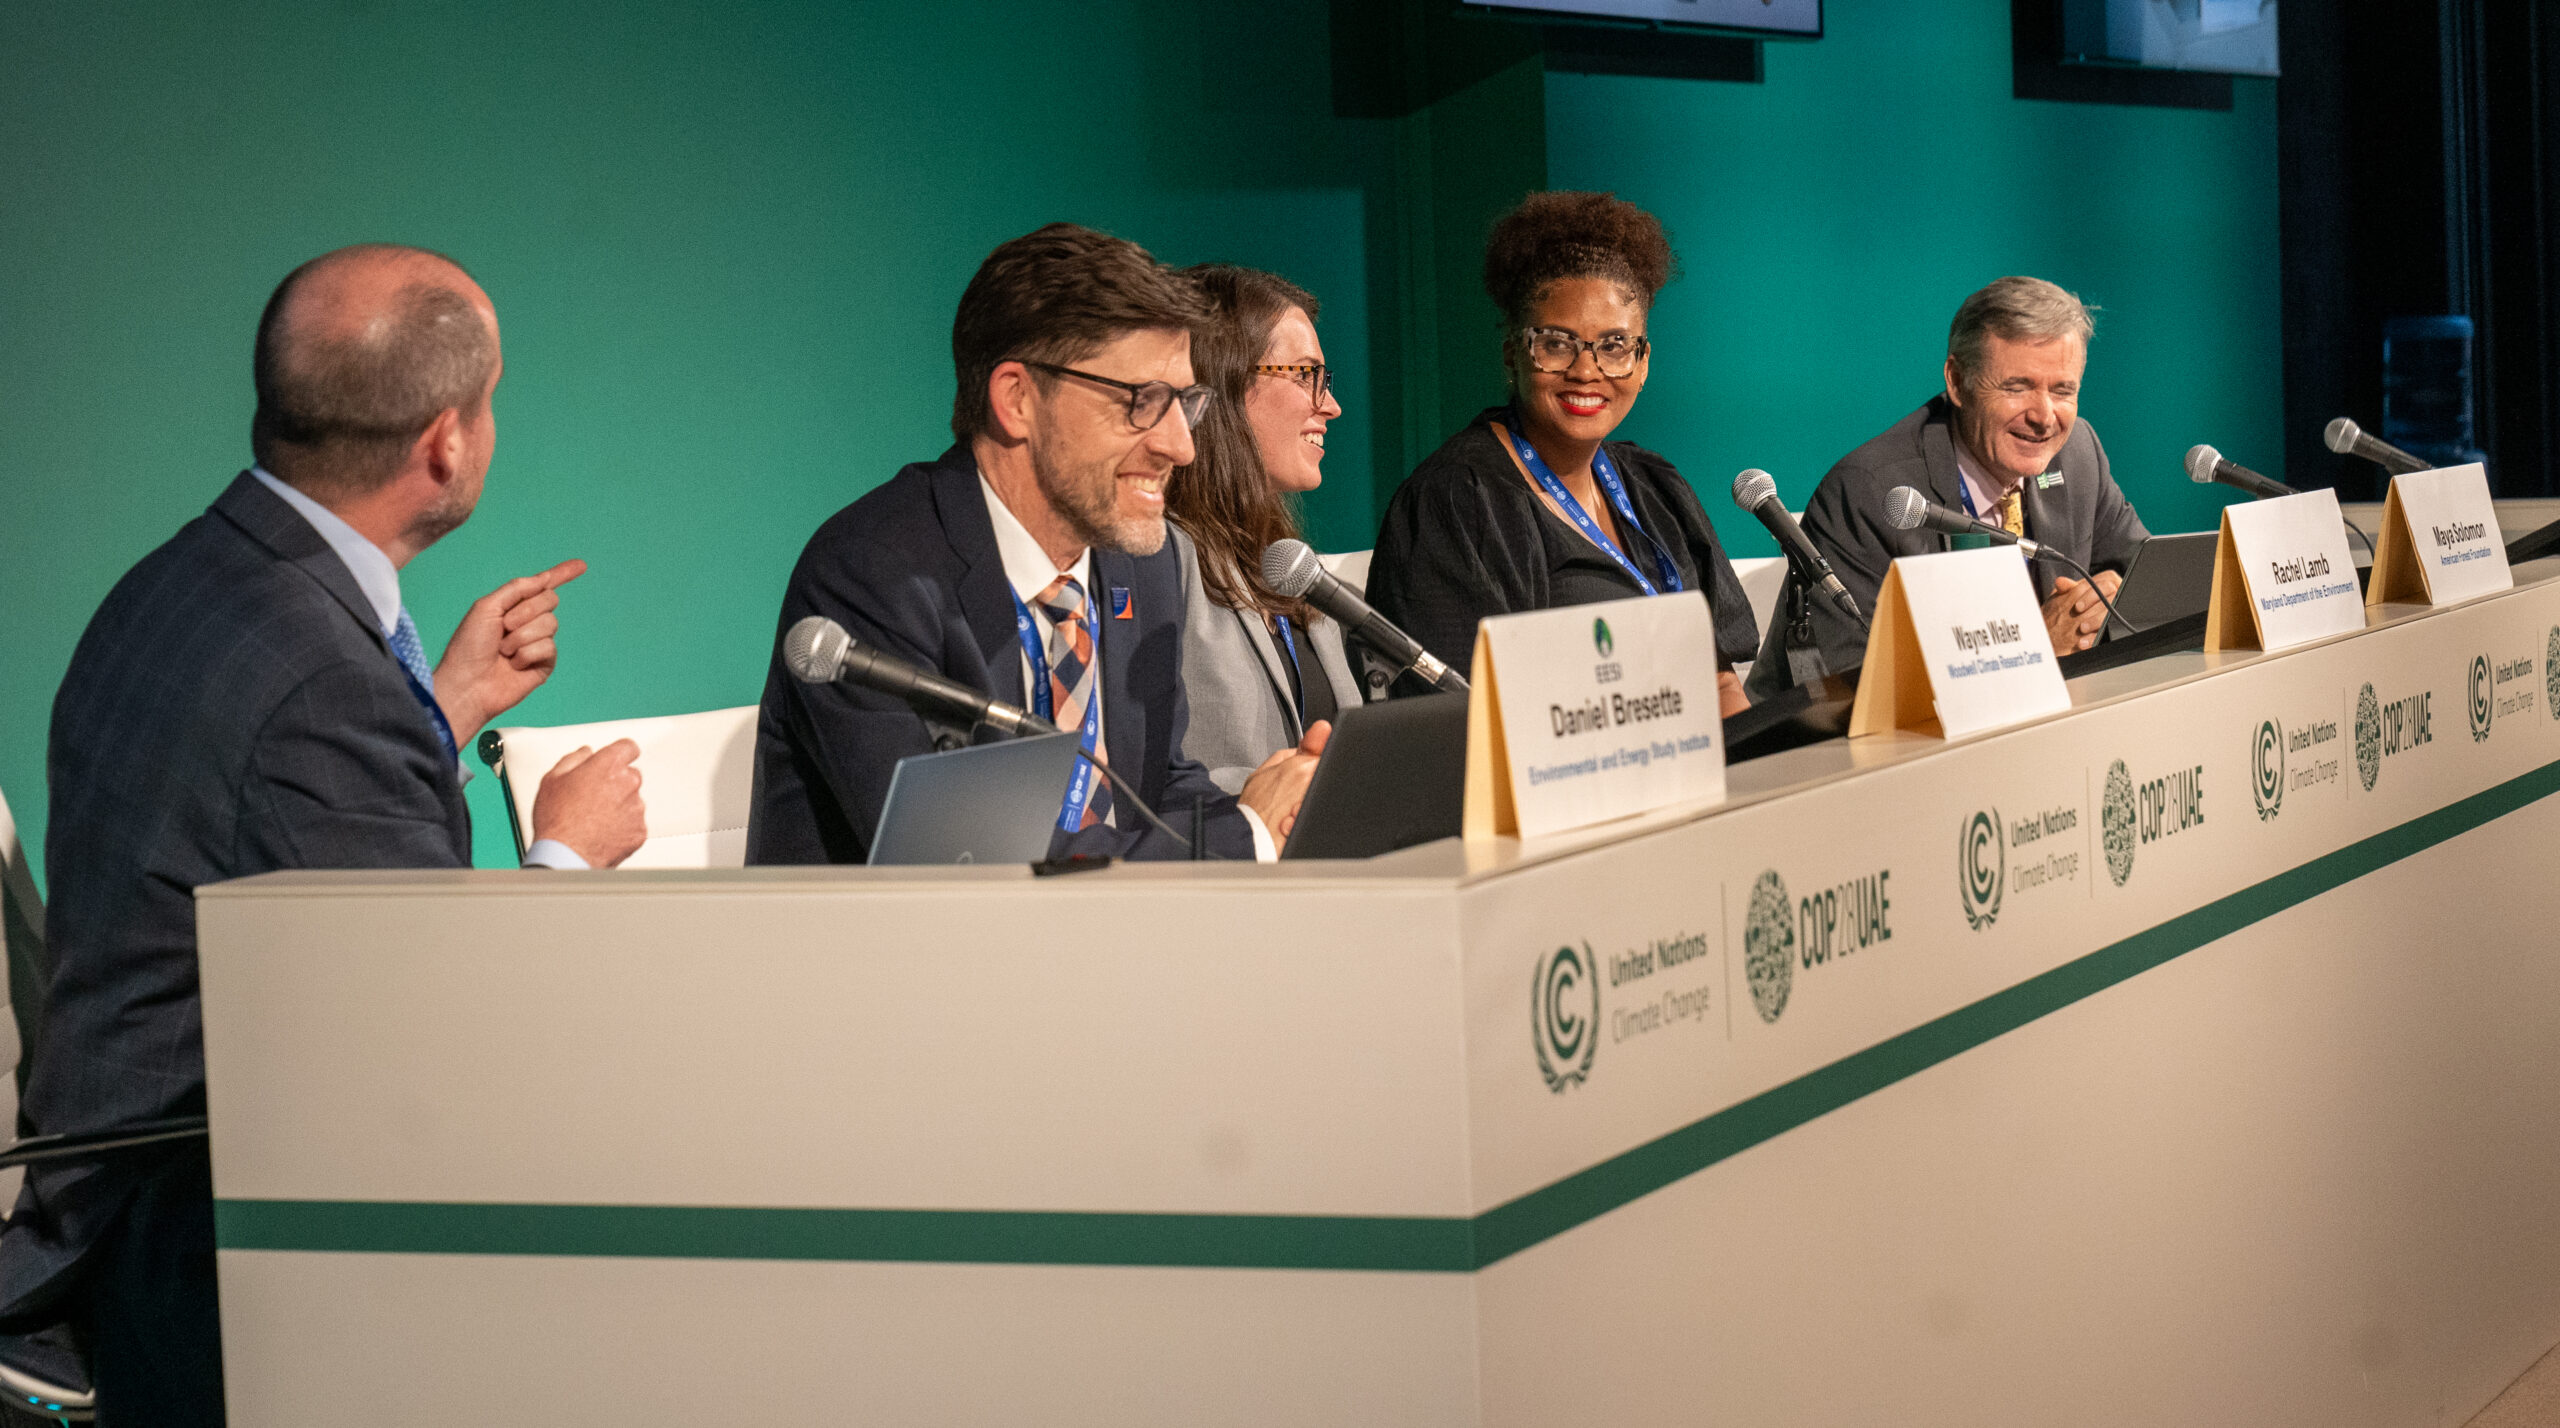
{"type": "Point", "coordinates": [1087, 497]}
{"type": "Point", "coordinates": [445, 516]}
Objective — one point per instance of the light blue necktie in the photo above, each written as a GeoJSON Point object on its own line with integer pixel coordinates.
{"type": "Point", "coordinates": [412, 655]}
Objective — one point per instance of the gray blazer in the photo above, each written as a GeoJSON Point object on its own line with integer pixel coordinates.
{"type": "Point", "coordinates": [2083, 514]}
{"type": "Point", "coordinates": [1238, 689]}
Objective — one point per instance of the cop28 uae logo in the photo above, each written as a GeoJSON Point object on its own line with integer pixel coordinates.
{"type": "Point", "coordinates": [1769, 945]}
{"type": "Point", "coordinates": [2483, 698]}
{"type": "Point", "coordinates": [1601, 639]}
{"type": "Point", "coordinates": [2368, 736]}
{"type": "Point", "coordinates": [2115, 822]}
{"type": "Point", "coordinates": [2266, 769]}
{"type": "Point", "coordinates": [1564, 1014]}
{"type": "Point", "coordinates": [1982, 867]}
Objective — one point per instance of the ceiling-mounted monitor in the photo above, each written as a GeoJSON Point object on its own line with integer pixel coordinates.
{"type": "Point", "coordinates": [2216, 36]}
{"type": "Point", "coordinates": [1768, 19]}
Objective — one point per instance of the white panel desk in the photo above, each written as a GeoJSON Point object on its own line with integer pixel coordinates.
{"type": "Point", "coordinates": [2191, 1057]}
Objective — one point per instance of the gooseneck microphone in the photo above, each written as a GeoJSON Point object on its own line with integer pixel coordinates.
{"type": "Point", "coordinates": [1906, 509]}
{"type": "Point", "coordinates": [1293, 572]}
{"type": "Point", "coordinates": [1756, 491]}
{"type": "Point", "coordinates": [2206, 466]}
{"type": "Point", "coordinates": [2348, 439]}
{"type": "Point", "coordinates": [817, 650]}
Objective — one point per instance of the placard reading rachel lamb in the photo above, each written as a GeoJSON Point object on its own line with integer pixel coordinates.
{"type": "Point", "coordinates": [2442, 524]}
{"type": "Point", "coordinates": [1607, 709]}
{"type": "Point", "coordinates": [1982, 637]}
{"type": "Point", "coordinates": [2292, 557]}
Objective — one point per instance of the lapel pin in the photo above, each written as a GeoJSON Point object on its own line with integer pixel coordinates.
{"type": "Point", "coordinates": [2048, 480]}
{"type": "Point", "coordinates": [1121, 608]}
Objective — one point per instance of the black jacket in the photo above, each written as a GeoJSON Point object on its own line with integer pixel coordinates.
{"type": "Point", "coordinates": [1467, 537]}
{"type": "Point", "coordinates": [2083, 515]}
{"type": "Point", "coordinates": [232, 709]}
{"type": "Point", "coordinates": [913, 568]}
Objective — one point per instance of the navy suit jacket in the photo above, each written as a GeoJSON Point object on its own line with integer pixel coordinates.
{"type": "Point", "coordinates": [913, 568]}
{"type": "Point", "coordinates": [232, 709]}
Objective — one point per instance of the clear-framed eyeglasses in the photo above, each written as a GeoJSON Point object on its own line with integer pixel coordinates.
{"type": "Point", "coordinates": [1148, 401]}
{"type": "Point", "coordinates": [1316, 377]}
{"type": "Point", "coordinates": [1552, 349]}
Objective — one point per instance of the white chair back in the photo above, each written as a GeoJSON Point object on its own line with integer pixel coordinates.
{"type": "Point", "coordinates": [1351, 567]}
{"type": "Point", "coordinates": [697, 775]}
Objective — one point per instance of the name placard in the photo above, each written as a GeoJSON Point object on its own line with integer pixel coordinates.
{"type": "Point", "coordinates": [1592, 712]}
{"type": "Point", "coordinates": [2439, 541]}
{"type": "Point", "coordinates": [1958, 646]}
{"type": "Point", "coordinates": [2282, 575]}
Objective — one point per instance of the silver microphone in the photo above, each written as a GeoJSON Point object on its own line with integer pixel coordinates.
{"type": "Point", "coordinates": [2348, 439]}
{"type": "Point", "coordinates": [1294, 572]}
{"type": "Point", "coordinates": [2206, 465]}
{"type": "Point", "coordinates": [1906, 509]}
{"type": "Point", "coordinates": [1756, 491]}
{"type": "Point", "coordinates": [817, 650]}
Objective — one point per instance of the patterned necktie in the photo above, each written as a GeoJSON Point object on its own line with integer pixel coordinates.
{"type": "Point", "coordinates": [2013, 514]}
{"type": "Point", "coordinates": [1074, 683]}
{"type": "Point", "coordinates": [422, 681]}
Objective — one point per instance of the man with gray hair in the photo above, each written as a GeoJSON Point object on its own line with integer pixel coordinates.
{"type": "Point", "coordinates": [2002, 441]}
{"type": "Point", "coordinates": [253, 696]}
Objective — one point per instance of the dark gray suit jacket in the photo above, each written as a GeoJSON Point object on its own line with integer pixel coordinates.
{"type": "Point", "coordinates": [232, 709]}
{"type": "Point", "coordinates": [2084, 515]}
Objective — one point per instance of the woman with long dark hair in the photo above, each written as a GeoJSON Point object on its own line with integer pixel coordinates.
{"type": "Point", "coordinates": [1261, 673]}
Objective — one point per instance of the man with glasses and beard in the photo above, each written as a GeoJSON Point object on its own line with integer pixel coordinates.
{"type": "Point", "coordinates": [1028, 562]}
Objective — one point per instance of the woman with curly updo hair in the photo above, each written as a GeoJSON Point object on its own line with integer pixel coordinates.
{"type": "Point", "coordinates": [1532, 506]}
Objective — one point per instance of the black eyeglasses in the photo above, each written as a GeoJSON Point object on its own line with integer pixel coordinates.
{"type": "Point", "coordinates": [1148, 401]}
{"type": "Point", "coordinates": [1316, 377]}
{"type": "Point", "coordinates": [1552, 349]}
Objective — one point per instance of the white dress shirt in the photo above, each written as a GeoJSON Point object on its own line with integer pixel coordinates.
{"type": "Point", "coordinates": [1028, 569]}
{"type": "Point", "coordinates": [379, 580]}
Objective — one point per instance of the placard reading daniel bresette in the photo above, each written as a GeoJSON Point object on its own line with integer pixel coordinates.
{"type": "Point", "coordinates": [1608, 709]}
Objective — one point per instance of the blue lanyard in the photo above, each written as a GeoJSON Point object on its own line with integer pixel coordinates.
{"type": "Point", "coordinates": [1034, 649]}
{"type": "Point", "coordinates": [1289, 642]}
{"type": "Point", "coordinates": [1617, 494]}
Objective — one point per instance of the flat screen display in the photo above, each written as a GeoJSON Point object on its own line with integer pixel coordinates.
{"type": "Point", "coordinates": [2216, 36]}
{"type": "Point", "coordinates": [1802, 18]}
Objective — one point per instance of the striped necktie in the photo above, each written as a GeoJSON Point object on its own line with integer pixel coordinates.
{"type": "Point", "coordinates": [1074, 683]}
{"type": "Point", "coordinates": [422, 680]}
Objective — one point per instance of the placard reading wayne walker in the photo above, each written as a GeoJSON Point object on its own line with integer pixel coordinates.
{"type": "Point", "coordinates": [1608, 709]}
{"type": "Point", "coordinates": [1983, 637]}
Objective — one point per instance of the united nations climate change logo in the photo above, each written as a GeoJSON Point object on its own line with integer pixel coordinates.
{"type": "Point", "coordinates": [2368, 736]}
{"type": "Point", "coordinates": [2483, 698]}
{"type": "Point", "coordinates": [2266, 769]}
{"type": "Point", "coordinates": [1601, 639]}
{"type": "Point", "coordinates": [2551, 672]}
{"type": "Point", "coordinates": [2115, 822]}
{"type": "Point", "coordinates": [1982, 867]}
{"type": "Point", "coordinates": [1564, 1015]}
{"type": "Point", "coordinates": [1769, 944]}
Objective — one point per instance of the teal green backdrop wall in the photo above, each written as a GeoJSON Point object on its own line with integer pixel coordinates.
{"type": "Point", "coordinates": [724, 242]}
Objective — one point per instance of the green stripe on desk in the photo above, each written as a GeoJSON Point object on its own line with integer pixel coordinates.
{"type": "Point", "coordinates": [1416, 1243]}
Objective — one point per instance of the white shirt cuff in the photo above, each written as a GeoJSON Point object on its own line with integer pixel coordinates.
{"type": "Point", "coordinates": [1265, 850]}
{"type": "Point", "coordinates": [553, 854]}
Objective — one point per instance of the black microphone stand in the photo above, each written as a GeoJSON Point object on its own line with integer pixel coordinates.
{"type": "Point", "coordinates": [1806, 667]}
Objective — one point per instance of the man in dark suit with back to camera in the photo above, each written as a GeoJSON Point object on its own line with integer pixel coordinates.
{"type": "Point", "coordinates": [251, 697]}
{"type": "Point", "coordinates": [2004, 442]}
{"type": "Point", "coordinates": [1028, 562]}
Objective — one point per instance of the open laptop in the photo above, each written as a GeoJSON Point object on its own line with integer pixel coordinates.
{"type": "Point", "coordinates": [2171, 577]}
{"type": "Point", "coordinates": [1393, 775]}
{"type": "Point", "coordinates": [990, 803]}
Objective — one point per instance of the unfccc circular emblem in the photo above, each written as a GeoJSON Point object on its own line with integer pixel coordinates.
{"type": "Point", "coordinates": [1564, 1015]}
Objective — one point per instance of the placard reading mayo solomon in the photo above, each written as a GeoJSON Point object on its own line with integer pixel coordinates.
{"type": "Point", "coordinates": [1592, 712]}
{"type": "Point", "coordinates": [2439, 541]}
{"type": "Point", "coordinates": [1958, 646]}
{"type": "Point", "coordinates": [2282, 575]}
